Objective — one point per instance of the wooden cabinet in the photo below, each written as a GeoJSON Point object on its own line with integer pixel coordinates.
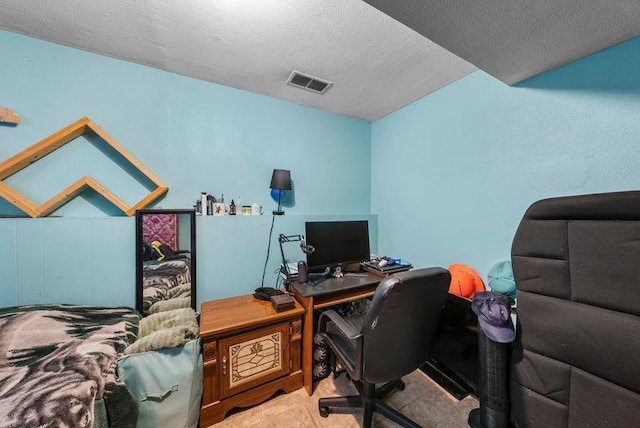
{"type": "Point", "coordinates": [250, 352]}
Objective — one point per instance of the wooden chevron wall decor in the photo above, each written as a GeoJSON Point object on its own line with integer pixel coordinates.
{"type": "Point", "coordinates": [9, 116]}
{"type": "Point", "coordinates": [55, 141]}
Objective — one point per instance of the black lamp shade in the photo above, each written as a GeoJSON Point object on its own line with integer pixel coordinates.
{"type": "Point", "coordinates": [281, 179]}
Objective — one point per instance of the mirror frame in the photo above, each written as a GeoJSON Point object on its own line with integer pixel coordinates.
{"type": "Point", "coordinates": [140, 251]}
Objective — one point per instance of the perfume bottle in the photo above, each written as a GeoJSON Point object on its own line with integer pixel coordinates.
{"type": "Point", "coordinates": [232, 208]}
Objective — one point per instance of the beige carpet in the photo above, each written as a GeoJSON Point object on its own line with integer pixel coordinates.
{"type": "Point", "coordinates": [422, 400]}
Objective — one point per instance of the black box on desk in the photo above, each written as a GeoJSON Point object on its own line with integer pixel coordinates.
{"type": "Point", "coordinates": [282, 302]}
{"type": "Point", "coordinates": [384, 270]}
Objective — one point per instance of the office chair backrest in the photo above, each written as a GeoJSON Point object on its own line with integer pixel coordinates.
{"type": "Point", "coordinates": [399, 327]}
{"type": "Point", "coordinates": [575, 359]}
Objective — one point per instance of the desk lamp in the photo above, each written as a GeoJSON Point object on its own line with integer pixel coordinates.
{"type": "Point", "coordinates": [280, 180]}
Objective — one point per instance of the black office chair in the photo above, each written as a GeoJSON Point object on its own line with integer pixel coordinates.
{"type": "Point", "coordinates": [574, 359]}
{"type": "Point", "coordinates": [392, 339]}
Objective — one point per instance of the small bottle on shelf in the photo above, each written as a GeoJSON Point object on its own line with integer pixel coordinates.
{"type": "Point", "coordinates": [203, 203]}
{"type": "Point", "coordinates": [210, 201]}
{"type": "Point", "coordinates": [232, 208]}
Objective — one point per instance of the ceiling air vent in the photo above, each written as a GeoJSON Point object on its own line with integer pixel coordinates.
{"type": "Point", "coordinates": [307, 82]}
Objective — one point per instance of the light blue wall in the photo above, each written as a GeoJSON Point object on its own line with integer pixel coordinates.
{"type": "Point", "coordinates": [67, 260]}
{"type": "Point", "coordinates": [453, 173]}
{"type": "Point", "coordinates": [195, 136]}
{"type": "Point", "coordinates": [449, 176]}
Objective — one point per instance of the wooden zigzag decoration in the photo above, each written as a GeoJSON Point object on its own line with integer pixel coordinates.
{"type": "Point", "coordinates": [55, 141]}
{"type": "Point", "coordinates": [9, 116]}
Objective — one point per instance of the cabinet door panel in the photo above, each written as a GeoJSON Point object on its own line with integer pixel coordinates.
{"type": "Point", "coordinates": [253, 358]}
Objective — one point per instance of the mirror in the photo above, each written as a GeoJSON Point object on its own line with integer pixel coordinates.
{"type": "Point", "coordinates": [165, 260]}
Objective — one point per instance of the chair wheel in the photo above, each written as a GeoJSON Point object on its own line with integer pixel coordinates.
{"type": "Point", "coordinates": [324, 411]}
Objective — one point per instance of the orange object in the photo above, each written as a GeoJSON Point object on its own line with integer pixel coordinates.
{"type": "Point", "coordinates": [465, 281]}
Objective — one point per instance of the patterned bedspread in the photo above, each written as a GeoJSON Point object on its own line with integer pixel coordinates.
{"type": "Point", "coordinates": [57, 362]}
{"type": "Point", "coordinates": [160, 278]}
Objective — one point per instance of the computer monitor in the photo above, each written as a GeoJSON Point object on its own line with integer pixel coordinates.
{"type": "Point", "coordinates": [337, 243]}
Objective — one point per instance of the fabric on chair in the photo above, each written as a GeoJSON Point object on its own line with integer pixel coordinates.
{"type": "Point", "coordinates": [575, 262]}
{"type": "Point", "coordinates": [393, 338]}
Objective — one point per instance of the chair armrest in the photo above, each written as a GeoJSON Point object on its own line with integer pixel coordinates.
{"type": "Point", "coordinates": [349, 330]}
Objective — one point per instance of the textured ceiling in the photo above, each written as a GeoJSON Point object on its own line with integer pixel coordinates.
{"type": "Point", "coordinates": [516, 39]}
{"type": "Point", "coordinates": [376, 64]}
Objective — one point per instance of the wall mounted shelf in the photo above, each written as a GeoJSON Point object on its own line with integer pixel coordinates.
{"type": "Point", "coordinates": [9, 116]}
{"type": "Point", "coordinates": [55, 141]}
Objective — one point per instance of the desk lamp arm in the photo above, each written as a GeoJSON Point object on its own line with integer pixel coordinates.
{"type": "Point", "coordinates": [282, 238]}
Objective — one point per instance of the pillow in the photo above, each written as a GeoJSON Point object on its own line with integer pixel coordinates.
{"type": "Point", "coordinates": [166, 338]}
{"type": "Point", "coordinates": [170, 304]}
{"type": "Point", "coordinates": [164, 320]}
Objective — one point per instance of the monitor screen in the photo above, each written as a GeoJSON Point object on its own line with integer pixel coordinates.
{"type": "Point", "coordinates": [337, 242]}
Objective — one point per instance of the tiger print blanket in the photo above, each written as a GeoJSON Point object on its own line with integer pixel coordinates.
{"type": "Point", "coordinates": [58, 361]}
{"type": "Point", "coordinates": [160, 278]}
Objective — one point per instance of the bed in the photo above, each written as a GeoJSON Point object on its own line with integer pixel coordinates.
{"type": "Point", "coordinates": [87, 366]}
{"type": "Point", "coordinates": [58, 366]}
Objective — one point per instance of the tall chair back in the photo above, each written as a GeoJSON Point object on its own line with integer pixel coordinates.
{"type": "Point", "coordinates": [574, 363]}
{"type": "Point", "coordinates": [574, 359]}
{"type": "Point", "coordinates": [399, 328]}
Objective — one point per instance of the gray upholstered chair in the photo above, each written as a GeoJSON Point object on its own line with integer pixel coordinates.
{"type": "Point", "coordinates": [574, 362]}
{"type": "Point", "coordinates": [392, 339]}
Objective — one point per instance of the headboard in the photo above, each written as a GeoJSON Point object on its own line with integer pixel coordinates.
{"type": "Point", "coordinates": [160, 227]}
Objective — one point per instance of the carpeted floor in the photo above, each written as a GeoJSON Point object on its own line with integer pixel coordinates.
{"type": "Point", "coordinates": [423, 400]}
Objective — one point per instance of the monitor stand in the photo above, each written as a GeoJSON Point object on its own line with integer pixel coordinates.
{"type": "Point", "coordinates": [351, 267]}
{"type": "Point", "coordinates": [316, 278]}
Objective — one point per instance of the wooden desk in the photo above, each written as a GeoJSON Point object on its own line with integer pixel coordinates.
{"type": "Point", "coordinates": [331, 292]}
{"type": "Point", "coordinates": [250, 352]}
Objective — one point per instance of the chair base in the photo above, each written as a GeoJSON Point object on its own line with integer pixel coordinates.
{"type": "Point", "coordinates": [370, 400]}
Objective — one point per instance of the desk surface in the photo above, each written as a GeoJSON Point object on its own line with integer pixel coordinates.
{"type": "Point", "coordinates": [233, 313]}
{"type": "Point", "coordinates": [350, 281]}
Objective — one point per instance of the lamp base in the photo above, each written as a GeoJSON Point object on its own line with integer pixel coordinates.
{"type": "Point", "coordinates": [278, 212]}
